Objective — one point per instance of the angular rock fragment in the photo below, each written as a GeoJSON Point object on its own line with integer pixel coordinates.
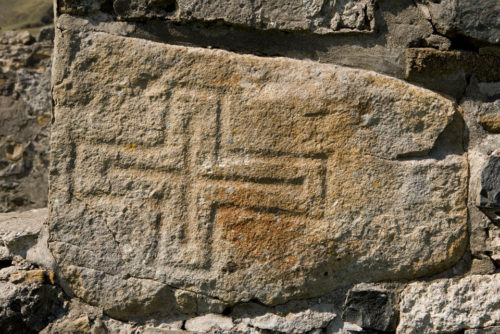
{"type": "Point", "coordinates": [238, 177]}
{"type": "Point", "coordinates": [477, 20]}
{"type": "Point", "coordinates": [22, 234]}
{"type": "Point", "coordinates": [489, 196]}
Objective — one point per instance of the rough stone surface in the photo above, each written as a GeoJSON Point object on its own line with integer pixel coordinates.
{"type": "Point", "coordinates": [25, 107]}
{"type": "Point", "coordinates": [482, 266]}
{"type": "Point", "coordinates": [301, 176]}
{"type": "Point", "coordinates": [29, 298]}
{"type": "Point", "coordinates": [478, 20]}
{"type": "Point", "coordinates": [489, 116]}
{"type": "Point", "coordinates": [319, 16]}
{"type": "Point", "coordinates": [450, 305]}
{"type": "Point", "coordinates": [316, 317]}
{"type": "Point", "coordinates": [493, 243]}
{"type": "Point", "coordinates": [208, 322]}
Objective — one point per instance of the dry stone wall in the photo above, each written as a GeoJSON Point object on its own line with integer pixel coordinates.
{"type": "Point", "coordinates": [25, 113]}
{"type": "Point", "coordinates": [276, 166]}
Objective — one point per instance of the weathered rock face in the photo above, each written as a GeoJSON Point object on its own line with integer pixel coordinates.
{"type": "Point", "coordinates": [474, 19]}
{"type": "Point", "coordinates": [318, 16]}
{"type": "Point", "coordinates": [448, 306]}
{"type": "Point", "coordinates": [201, 169]}
{"type": "Point", "coordinates": [25, 106]}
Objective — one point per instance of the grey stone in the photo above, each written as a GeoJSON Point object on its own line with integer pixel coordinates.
{"type": "Point", "coordinates": [315, 317]}
{"type": "Point", "coordinates": [382, 50]}
{"type": "Point", "coordinates": [83, 318]}
{"type": "Point", "coordinates": [134, 9]}
{"type": "Point", "coordinates": [489, 196]}
{"type": "Point", "coordinates": [372, 308]}
{"type": "Point", "coordinates": [208, 322]}
{"type": "Point", "coordinates": [46, 34]}
{"type": "Point", "coordinates": [23, 234]}
{"type": "Point", "coordinates": [450, 305]}
{"type": "Point", "coordinates": [475, 19]}
{"type": "Point", "coordinates": [481, 146]}
{"type": "Point", "coordinates": [493, 243]}
{"type": "Point", "coordinates": [482, 266]}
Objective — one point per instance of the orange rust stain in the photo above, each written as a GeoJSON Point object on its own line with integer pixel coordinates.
{"type": "Point", "coordinates": [261, 236]}
{"type": "Point", "coordinates": [39, 276]}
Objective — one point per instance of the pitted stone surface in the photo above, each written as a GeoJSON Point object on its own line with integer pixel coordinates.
{"type": "Point", "coordinates": [239, 177]}
{"type": "Point", "coordinates": [450, 305]}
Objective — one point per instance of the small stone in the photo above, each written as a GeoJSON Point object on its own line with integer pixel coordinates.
{"type": "Point", "coordinates": [490, 121]}
{"type": "Point", "coordinates": [186, 301]}
{"type": "Point", "coordinates": [482, 266]}
{"type": "Point", "coordinates": [439, 42]}
{"type": "Point", "coordinates": [208, 322]}
{"type": "Point", "coordinates": [316, 317]}
{"type": "Point", "coordinates": [489, 196]}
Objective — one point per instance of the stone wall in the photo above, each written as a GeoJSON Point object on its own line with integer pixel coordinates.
{"type": "Point", "coordinates": [323, 166]}
{"type": "Point", "coordinates": [25, 112]}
